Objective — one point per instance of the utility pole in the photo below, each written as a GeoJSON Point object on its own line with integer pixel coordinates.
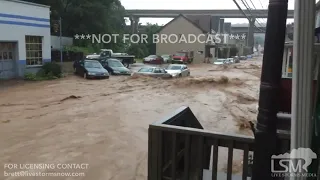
{"type": "Point", "coordinates": [266, 128]}
{"type": "Point", "coordinates": [60, 27]}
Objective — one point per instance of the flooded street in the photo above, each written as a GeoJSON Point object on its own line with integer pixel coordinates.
{"type": "Point", "coordinates": [104, 123]}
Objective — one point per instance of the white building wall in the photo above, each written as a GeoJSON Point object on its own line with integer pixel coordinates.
{"type": "Point", "coordinates": [18, 19]}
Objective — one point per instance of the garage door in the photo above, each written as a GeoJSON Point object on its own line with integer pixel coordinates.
{"type": "Point", "coordinates": [7, 61]}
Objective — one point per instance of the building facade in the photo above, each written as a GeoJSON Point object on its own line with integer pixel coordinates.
{"type": "Point", "coordinates": [182, 26]}
{"type": "Point", "coordinates": [25, 41]}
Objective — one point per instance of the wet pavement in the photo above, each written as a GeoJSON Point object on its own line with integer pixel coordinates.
{"type": "Point", "coordinates": [104, 123]}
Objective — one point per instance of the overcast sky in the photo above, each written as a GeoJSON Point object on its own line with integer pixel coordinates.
{"type": "Point", "coordinates": [198, 4]}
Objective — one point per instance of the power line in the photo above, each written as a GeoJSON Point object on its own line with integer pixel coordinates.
{"type": "Point", "coordinates": [253, 4]}
{"type": "Point", "coordinates": [236, 3]}
{"type": "Point", "coordinates": [261, 4]}
{"type": "Point", "coordinates": [256, 8]}
{"type": "Point", "coordinates": [244, 2]}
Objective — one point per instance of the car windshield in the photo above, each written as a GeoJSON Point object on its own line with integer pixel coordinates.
{"type": "Point", "coordinates": [115, 64]}
{"type": "Point", "coordinates": [174, 67]}
{"type": "Point", "coordinates": [146, 70]}
{"type": "Point", "coordinates": [92, 64]}
{"type": "Point", "coordinates": [166, 56]}
{"type": "Point", "coordinates": [179, 54]}
{"type": "Point", "coordinates": [152, 56]}
{"type": "Point", "coordinates": [220, 60]}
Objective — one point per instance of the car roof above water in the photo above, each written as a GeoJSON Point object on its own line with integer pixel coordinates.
{"type": "Point", "coordinates": [181, 65]}
{"type": "Point", "coordinates": [113, 59]}
{"type": "Point", "coordinates": [91, 60]}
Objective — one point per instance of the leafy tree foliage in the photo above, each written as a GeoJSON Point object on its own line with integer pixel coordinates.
{"type": "Point", "coordinates": [138, 50]}
{"type": "Point", "coordinates": [144, 49]}
{"type": "Point", "coordinates": [88, 17]}
{"type": "Point", "coordinates": [151, 29]}
{"type": "Point", "coordinates": [96, 17]}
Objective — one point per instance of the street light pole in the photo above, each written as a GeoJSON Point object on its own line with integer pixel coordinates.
{"type": "Point", "coordinates": [60, 27]}
{"type": "Point", "coordinates": [266, 129]}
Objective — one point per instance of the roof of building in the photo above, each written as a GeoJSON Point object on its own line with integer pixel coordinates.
{"type": "Point", "coordinates": [180, 15]}
{"type": "Point", "coordinates": [204, 21]}
{"type": "Point", "coordinates": [29, 3]}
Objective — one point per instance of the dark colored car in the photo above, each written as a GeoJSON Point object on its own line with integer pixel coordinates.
{"type": "Point", "coordinates": [115, 67]}
{"type": "Point", "coordinates": [153, 59]}
{"type": "Point", "coordinates": [243, 57]}
{"type": "Point", "coordinates": [236, 59]}
{"type": "Point", "coordinates": [90, 69]}
{"type": "Point", "coordinates": [153, 72]}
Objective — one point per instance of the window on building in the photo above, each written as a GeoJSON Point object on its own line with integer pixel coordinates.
{"type": "Point", "coordinates": [197, 21]}
{"type": "Point", "coordinates": [34, 50]}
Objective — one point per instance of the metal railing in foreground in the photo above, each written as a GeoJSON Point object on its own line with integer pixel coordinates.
{"type": "Point", "coordinates": [179, 149]}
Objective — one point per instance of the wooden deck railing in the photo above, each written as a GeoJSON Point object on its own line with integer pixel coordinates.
{"type": "Point", "coordinates": [180, 149]}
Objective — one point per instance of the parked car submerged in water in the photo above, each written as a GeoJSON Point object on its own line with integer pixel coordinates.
{"type": "Point", "coordinates": [153, 72]}
{"type": "Point", "coordinates": [220, 61]}
{"type": "Point", "coordinates": [167, 58]}
{"type": "Point", "coordinates": [115, 67]}
{"type": "Point", "coordinates": [182, 57]}
{"type": "Point", "coordinates": [177, 70]}
{"type": "Point", "coordinates": [88, 68]}
{"type": "Point", "coordinates": [153, 59]}
{"type": "Point", "coordinates": [243, 58]}
{"type": "Point", "coordinates": [230, 60]}
{"type": "Point", "coordinates": [236, 59]}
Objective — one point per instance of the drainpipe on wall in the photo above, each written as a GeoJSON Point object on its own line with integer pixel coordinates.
{"type": "Point", "coordinates": [303, 45]}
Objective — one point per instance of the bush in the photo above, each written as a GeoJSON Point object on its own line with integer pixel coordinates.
{"type": "Point", "coordinates": [30, 76]}
{"type": "Point", "coordinates": [51, 68]}
{"type": "Point", "coordinates": [48, 71]}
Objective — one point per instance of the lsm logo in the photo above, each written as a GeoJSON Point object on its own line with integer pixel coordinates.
{"type": "Point", "coordinates": [294, 164]}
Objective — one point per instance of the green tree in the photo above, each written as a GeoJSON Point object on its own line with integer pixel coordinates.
{"type": "Point", "coordinates": [150, 30]}
{"type": "Point", "coordinates": [138, 50]}
{"type": "Point", "coordinates": [88, 17]}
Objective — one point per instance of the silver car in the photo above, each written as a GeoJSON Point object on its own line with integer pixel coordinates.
{"type": "Point", "coordinates": [178, 70]}
{"type": "Point", "coordinates": [230, 60]}
{"type": "Point", "coordinates": [166, 58]}
{"type": "Point", "coordinates": [153, 72]}
{"type": "Point", "coordinates": [220, 61]}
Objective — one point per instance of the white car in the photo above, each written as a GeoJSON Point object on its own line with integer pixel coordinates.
{"type": "Point", "coordinates": [220, 61]}
{"type": "Point", "coordinates": [178, 70]}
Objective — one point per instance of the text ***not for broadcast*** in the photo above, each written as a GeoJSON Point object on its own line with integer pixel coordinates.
{"type": "Point", "coordinates": [160, 38]}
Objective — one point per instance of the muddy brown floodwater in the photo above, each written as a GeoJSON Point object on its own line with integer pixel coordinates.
{"type": "Point", "coordinates": [104, 123]}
